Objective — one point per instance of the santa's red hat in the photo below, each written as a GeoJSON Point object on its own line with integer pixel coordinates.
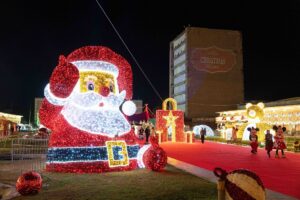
{"type": "Point", "coordinates": [104, 59]}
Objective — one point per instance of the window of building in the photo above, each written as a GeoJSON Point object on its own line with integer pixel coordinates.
{"type": "Point", "coordinates": [180, 98]}
{"type": "Point", "coordinates": [179, 41]}
{"type": "Point", "coordinates": [179, 69]}
{"type": "Point", "coordinates": [179, 89]}
{"type": "Point", "coordinates": [179, 79]}
{"type": "Point", "coordinates": [179, 59]}
{"type": "Point", "coordinates": [181, 107]}
{"type": "Point", "coordinates": [179, 50]}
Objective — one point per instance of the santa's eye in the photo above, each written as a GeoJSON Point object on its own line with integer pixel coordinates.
{"type": "Point", "coordinates": [111, 88]}
{"type": "Point", "coordinates": [90, 86]}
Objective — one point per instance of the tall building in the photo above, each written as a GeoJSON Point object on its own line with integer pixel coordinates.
{"type": "Point", "coordinates": [139, 106]}
{"type": "Point", "coordinates": [37, 105]}
{"type": "Point", "coordinates": [206, 72]}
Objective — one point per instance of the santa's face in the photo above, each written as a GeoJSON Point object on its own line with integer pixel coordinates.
{"type": "Point", "coordinates": [94, 105]}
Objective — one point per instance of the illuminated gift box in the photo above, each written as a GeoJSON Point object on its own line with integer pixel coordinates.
{"type": "Point", "coordinates": [190, 137]}
{"type": "Point", "coordinates": [170, 123]}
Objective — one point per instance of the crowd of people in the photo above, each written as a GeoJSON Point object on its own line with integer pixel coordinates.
{"type": "Point", "coordinates": [144, 130]}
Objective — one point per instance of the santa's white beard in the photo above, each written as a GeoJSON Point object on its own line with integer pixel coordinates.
{"type": "Point", "coordinates": [83, 112]}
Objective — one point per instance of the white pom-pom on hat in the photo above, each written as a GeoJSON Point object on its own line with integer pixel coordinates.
{"type": "Point", "coordinates": [128, 108]}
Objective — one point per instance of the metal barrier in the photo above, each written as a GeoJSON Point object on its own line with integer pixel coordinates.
{"type": "Point", "coordinates": [29, 154]}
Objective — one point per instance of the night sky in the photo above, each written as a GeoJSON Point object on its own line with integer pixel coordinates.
{"type": "Point", "coordinates": [34, 33]}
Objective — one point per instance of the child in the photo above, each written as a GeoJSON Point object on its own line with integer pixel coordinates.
{"type": "Point", "coordinates": [269, 142]}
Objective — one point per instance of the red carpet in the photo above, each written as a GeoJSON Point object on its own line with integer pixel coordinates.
{"type": "Point", "coordinates": [278, 174]}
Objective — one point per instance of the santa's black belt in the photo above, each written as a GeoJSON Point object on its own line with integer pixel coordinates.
{"type": "Point", "coordinates": [101, 153]}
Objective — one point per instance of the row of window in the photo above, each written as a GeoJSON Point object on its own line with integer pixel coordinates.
{"type": "Point", "coordinates": [179, 88]}
{"type": "Point", "coordinates": [179, 50]}
{"type": "Point", "coordinates": [181, 107]}
{"type": "Point", "coordinates": [180, 59]}
{"type": "Point", "coordinates": [179, 69]}
{"type": "Point", "coordinates": [180, 98]}
{"type": "Point", "coordinates": [180, 78]}
{"type": "Point", "coordinates": [179, 41]}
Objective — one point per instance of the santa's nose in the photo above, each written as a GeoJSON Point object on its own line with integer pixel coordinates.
{"type": "Point", "coordinates": [104, 91]}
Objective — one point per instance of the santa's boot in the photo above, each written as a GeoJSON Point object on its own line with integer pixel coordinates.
{"type": "Point", "coordinates": [283, 156]}
{"type": "Point", "coordinates": [276, 155]}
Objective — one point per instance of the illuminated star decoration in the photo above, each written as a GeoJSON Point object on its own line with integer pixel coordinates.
{"type": "Point", "coordinates": [171, 122]}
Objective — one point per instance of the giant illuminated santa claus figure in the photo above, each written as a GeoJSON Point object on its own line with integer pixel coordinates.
{"type": "Point", "coordinates": [85, 107]}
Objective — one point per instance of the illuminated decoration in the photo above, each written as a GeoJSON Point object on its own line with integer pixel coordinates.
{"type": "Point", "coordinates": [244, 133]}
{"type": "Point", "coordinates": [117, 153]}
{"type": "Point", "coordinates": [96, 81]}
{"type": "Point", "coordinates": [140, 155]}
{"type": "Point", "coordinates": [170, 123]}
{"type": "Point", "coordinates": [253, 116]}
{"type": "Point", "coordinates": [89, 133]}
{"type": "Point", "coordinates": [155, 159]}
{"type": "Point", "coordinates": [171, 101]}
{"type": "Point", "coordinates": [255, 112]}
{"type": "Point", "coordinates": [159, 136]}
{"type": "Point", "coordinates": [112, 151]}
{"type": "Point", "coordinates": [190, 136]}
{"type": "Point", "coordinates": [209, 131]}
{"type": "Point", "coordinates": [129, 108]}
{"type": "Point", "coordinates": [29, 183]}
{"type": "Point", "coordinates": [13, 118]}
{"type": "Point", "coordinates": [239, 184]}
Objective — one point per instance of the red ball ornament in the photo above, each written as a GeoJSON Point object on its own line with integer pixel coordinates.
{"type": "Point", "coordinates": [29, 183]}
{"type": "Point", "coordinates": [155, 158]}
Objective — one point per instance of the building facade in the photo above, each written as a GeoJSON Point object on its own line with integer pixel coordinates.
{"type": "Point", "coordinates": [206, 72]}
{"type": "Point", "coordinates": [37, 105]}
{"type": "Point", "coordinates": [285, 112]}
{"type": "Point", "coordinates": [8, 123]}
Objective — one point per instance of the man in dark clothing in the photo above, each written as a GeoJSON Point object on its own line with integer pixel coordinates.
{"type": "Point", "coordinates": [202, 134]}
{"type": "Point", "coordinates": [147, 133]}
{"type": "Point", "coordinates": [269, 142]}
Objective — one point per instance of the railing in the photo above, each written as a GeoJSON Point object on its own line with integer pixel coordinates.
{"type": "Point", "coordinates": [28, 148]}
{"type": "Point", "coordinates": [30, 152]}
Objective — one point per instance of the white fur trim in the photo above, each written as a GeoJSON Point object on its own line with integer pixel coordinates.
{"type": "Point", "coordinates": [140, 155]}
{"type": "Point", "coordinates": [52, 98]}
{"type": "Point", "coordinates": [94, 65]}
{"type": "Point", "coordinates": [129, 108]}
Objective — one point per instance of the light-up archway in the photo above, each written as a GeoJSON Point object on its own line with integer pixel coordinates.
{"type": "Point", "coordinates": [209, 131]}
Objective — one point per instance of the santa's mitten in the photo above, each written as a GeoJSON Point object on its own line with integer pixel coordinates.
{"type": "Point", "coordinates": [155, 158]}
{"type": "Point", "coordinates": [63, 78]}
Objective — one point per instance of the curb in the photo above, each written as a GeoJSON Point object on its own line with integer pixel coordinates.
{"type": "Point", "coordinates": [209, 176]}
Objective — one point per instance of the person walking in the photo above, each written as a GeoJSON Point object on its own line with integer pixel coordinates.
{"type": "Point", "coordinates": [269, 142]}
{"type": "Point", "coordinates": [147, 133]}
{"type": "Point", "coordinates": [202, 134]}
